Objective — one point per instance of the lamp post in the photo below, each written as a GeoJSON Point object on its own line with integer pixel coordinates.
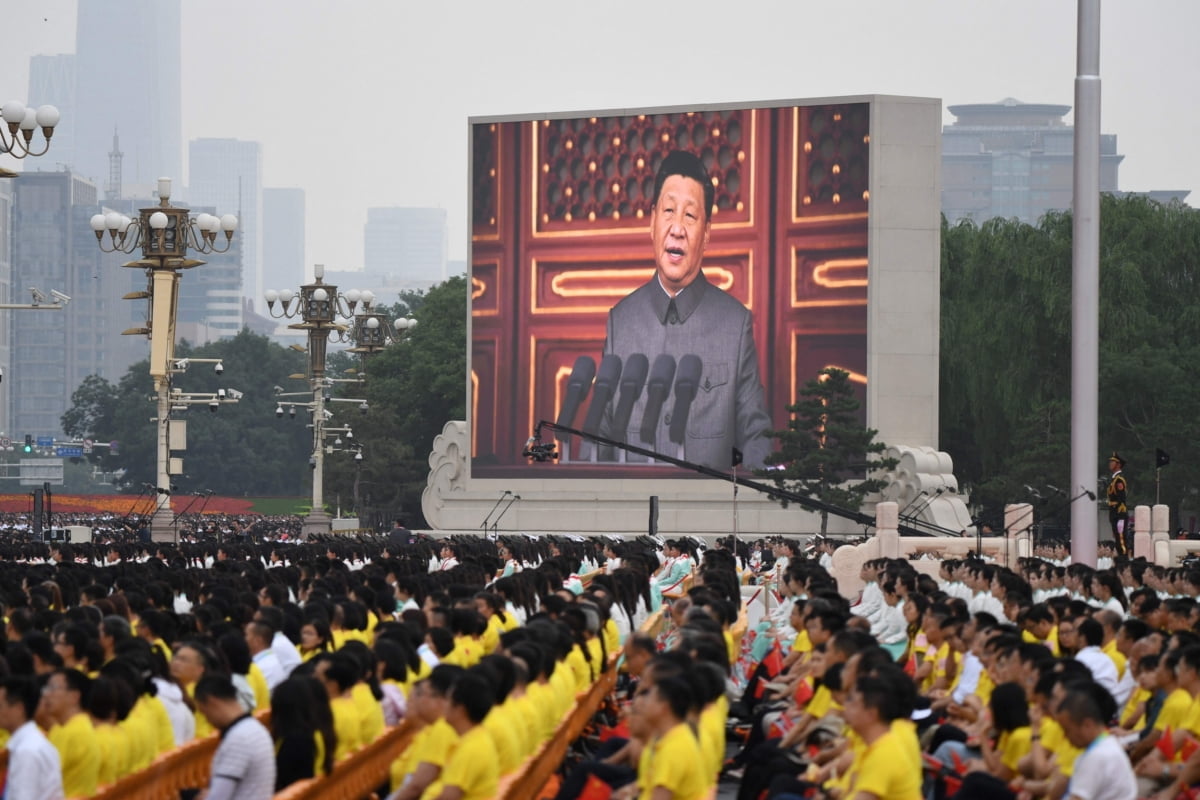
{"type": "Point", "coordinates": [164, 233]}
{"type": "Point", "coordinates": [323, 313]}
{"type": "Point", "coordinates": [21, 122]}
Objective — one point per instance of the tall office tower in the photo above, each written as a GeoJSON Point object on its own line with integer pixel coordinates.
{"type": "Point", "coordinates": [5, 297]}
{"type": "Point", "coordinates": [282, 240]}
{"type": "Point", "coordinates": [1013, 160]}
{"type": "Point", "coordinates": [52, 81]}
{"type": "Point", "coordinates": [227, 174]}
{"type": "Point", "coordinates": [408, 243]}
{"type": "Point", "coordinates": [127, 79]}
{"type": "Point", "coordinates": [210, 296]}
{"type": "Point", "coordinates": [52, 352]}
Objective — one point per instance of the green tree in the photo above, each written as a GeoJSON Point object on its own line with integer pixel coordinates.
{"type": "Point", "coordinates": [240, 450]}
{"type": "Point", "coordinates": [826, 452]}
{"type": "Point", "coordinates": [413, 388]}
{"type": "Point", "coordinates": [1006, 355]}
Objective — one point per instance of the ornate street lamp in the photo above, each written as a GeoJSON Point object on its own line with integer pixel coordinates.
{"type": "Point", "coordinates": [165, 234]}
{"type": "Point", "coordinates": [21, 122]}
{"type": "Point", "coordinates": [324, 313]}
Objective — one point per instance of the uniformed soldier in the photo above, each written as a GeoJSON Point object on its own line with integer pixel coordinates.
{"type": "Point", "coordinates": [1118, 511]}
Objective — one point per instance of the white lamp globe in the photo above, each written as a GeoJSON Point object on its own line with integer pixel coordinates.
{"type": "Point", "coordinates": [320, 295]}
{"type": "Point", "coordinates": [47, 116]}
{"type": "Point", "coordinates": [158, 220]}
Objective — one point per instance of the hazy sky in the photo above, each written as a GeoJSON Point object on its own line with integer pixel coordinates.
{"type": "Point", "coordinates": [365, 103]}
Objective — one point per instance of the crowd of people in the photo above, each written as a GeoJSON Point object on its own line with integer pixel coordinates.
{"type": "Point", "coordinates": [1045, 681]}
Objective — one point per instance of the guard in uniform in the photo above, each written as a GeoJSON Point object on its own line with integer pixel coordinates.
{"type": "Point", "coordinates": [1118, 510]}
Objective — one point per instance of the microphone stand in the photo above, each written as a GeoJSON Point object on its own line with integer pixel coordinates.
{"type": "Point", "coordinates": [512, 499]}
{"type": "Point", "coordinates": [487, 520]}
{"type": "Point", "coordinates": [191, 503]}
{"type": "Point", "coordinates": [912, 502]}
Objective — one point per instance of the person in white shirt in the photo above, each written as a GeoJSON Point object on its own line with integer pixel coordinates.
{"type": "Point", "coordinates": [1102, 771]}
{"type": "Point", "coordinates": [449, 554]}
{"type": "Point", "coordinates": [258, 639]}
{"type": "Point", "coordinates": [285, 650]}
{"type": "Point", "coordinates": [871, 603]}
{"type": "Point", "coordinates": [1088, 635]}
{"type": "Point", "coordinates": [34, 769]}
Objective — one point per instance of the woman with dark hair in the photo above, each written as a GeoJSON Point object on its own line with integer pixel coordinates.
{"type": "Point", "coordinates": [315, 638]}
{"type": "Point", "coordinates": [392, 671]}
{"type": "Point", "coordinates": [914, 614]}
{"type": "Point", "coordinates": [1010, 721]}
{"type": "Point", "coordinates": [1107, 589]}
{"type": "Point", "coordinates": [302, 727]}
{"type": "Point", "coordinates": [103, 704]}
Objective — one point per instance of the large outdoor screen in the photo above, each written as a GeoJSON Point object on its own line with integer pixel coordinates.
{"type": "Point", "coordinates": [668, 279]}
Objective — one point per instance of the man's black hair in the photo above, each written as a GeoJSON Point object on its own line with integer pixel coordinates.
{"type": "Point", "coordinates": [474, 695]}
{"type": "Point", "coordinates": [215, 685]}
{"type": "Point", "coordinates": [681, 162]}
{"type": "Point", "coordinates": [22, 689]}
{"type": "Point", "coordinates": [675, 691]}
{"type": "Point", "coordinates": [443, 678]}
{"type": "Point", "coordinates": [1088, 701]}
{"type": "Point", "coordinates": [1091, 631]}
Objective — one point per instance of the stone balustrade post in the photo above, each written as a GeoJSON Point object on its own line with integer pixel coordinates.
{"type": "Point", "coordinates": [887, 529]}
{"type": "Point", "coordinates": [1018, 528]}
{"type": "Point", "coordinates": [1143, 543]}
{"type": "Point", "coordinates": [1160, 534]}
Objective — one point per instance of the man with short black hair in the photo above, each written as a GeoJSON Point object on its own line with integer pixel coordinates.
{"type": "Point", "coordinates": [258, 640]}
{"type": "Point", "coordinates": [64, 697]}
{"type": "Point", "coordinates": [472, 771]}
{"type": "Point", "coordinates": [243, 768]}
{"type": "Point", "coordinates": [34, 768]}
{"type": "Point", "coordinates": [1102, 771]}
{"type": "Point", "coordinates": [678, 312]}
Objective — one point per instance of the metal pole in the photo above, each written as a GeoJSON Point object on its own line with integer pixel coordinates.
{"type": "Point", "coordinates": [1085, 283]}
{"type": "Point", "coordinates": [162, 522]}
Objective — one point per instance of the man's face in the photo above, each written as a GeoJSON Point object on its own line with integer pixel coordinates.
{"type": "Point", "coordinates": [679, 230]}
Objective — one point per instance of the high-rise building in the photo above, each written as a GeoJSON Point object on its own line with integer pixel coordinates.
{"type": "Point", "coordinates": [1013, 160]}
{"type": "Point", "coordinates": [127, 79]}
{"type": "Point", "coordinates": [53, 247]}
{"type": "Point", "coordinates": [407, 243]}
{"type": "Point", "coordinates": [282, 240]}
{"type": "Point", "coordinates": [52, 81]}
{"type": "Point", "coordinates": [227, 175]}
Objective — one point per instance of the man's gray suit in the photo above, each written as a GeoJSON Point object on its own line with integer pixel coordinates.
{"type": "Point", "coordinates": [729, 410]}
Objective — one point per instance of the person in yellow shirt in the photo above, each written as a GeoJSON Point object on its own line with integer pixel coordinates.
{"type": "Point", "coordinates": [104, 701]}
{"type": "Point", "coordinates": [491, 607]}
{"type": "Point", "coordinates": [315, 638]}
{"type": "Point", "coordinates": [338, 673]}
{"type": "Point", "coordinates": [510, 739]}
{"type": "Point", "coordinates": [366, 692]}
{"type": "Point", "coordinates": [471, 771]}
{"type": "Point", "coordinates": [886, 770]}
{"type": "Point", "coordinates": [420, 765]}
{"type": "Point", "coordinates": [72, 733]}
{"type": "Point", "coordinates": [667, 768]}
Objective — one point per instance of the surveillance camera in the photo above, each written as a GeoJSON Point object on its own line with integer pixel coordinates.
{"type": "Point", "coordinates": [312, 462]}
{"type": "Point", "coordinates": [358, 457]}
{"type": "Point", "coordinates": [349, 433]}
{"type": "Point", "coordinates": [181, 363]}
{"type": "Point", "coordinates": [234, 394]}
{"type": "Point", "coordinates": [363, 407]}
{"type": "Point", "coordinates": [279, 411]}
{"type": "Point", "coordinates": [220, 394]}
{"type": "Point", "coordinates": [1, 374]}
{"type": "Point", "coordinates": [219, 368]}
{"type": "Point", "coordinates": [292, 411]}
{"type": "Point", "coordinates": [278, 390]}
{"type": "Point", "coordinates": [213, 406]}
{"type": "Point", "coordinates": [60, 297]}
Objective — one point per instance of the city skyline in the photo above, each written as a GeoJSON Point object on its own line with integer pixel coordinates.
{"type": "Point", "coordinates": [396, 137]}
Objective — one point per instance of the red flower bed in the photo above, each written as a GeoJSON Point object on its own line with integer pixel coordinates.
{"type": "Point", "coordinates": [123, 503]}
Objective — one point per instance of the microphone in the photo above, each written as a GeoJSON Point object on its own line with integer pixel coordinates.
{"type": "Point", "coordinates": [657, 389]}
{"type": "Point", "coordinates": [687, 382]}
{"type": "Point", "coordinates": [603, 391]}
{"type": "Point", "coordinates": [1091, 495]}
{"type": "Point", "coordinates": [577, 388]}
{"type": "Point", "coordinates": [637, 366]}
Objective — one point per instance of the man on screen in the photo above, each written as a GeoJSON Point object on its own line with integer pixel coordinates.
{"type": "Point", "coordinates": [679, 312]}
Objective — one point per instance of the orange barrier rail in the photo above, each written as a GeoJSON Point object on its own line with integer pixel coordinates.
{"type": "Point", "coordinates": [360, 773]}
{"type": "Point", "coordinates": [587, 578]}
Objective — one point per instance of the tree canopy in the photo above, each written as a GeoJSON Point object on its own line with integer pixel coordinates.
{"type": "Point", "coordinates": [1006, 351]}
